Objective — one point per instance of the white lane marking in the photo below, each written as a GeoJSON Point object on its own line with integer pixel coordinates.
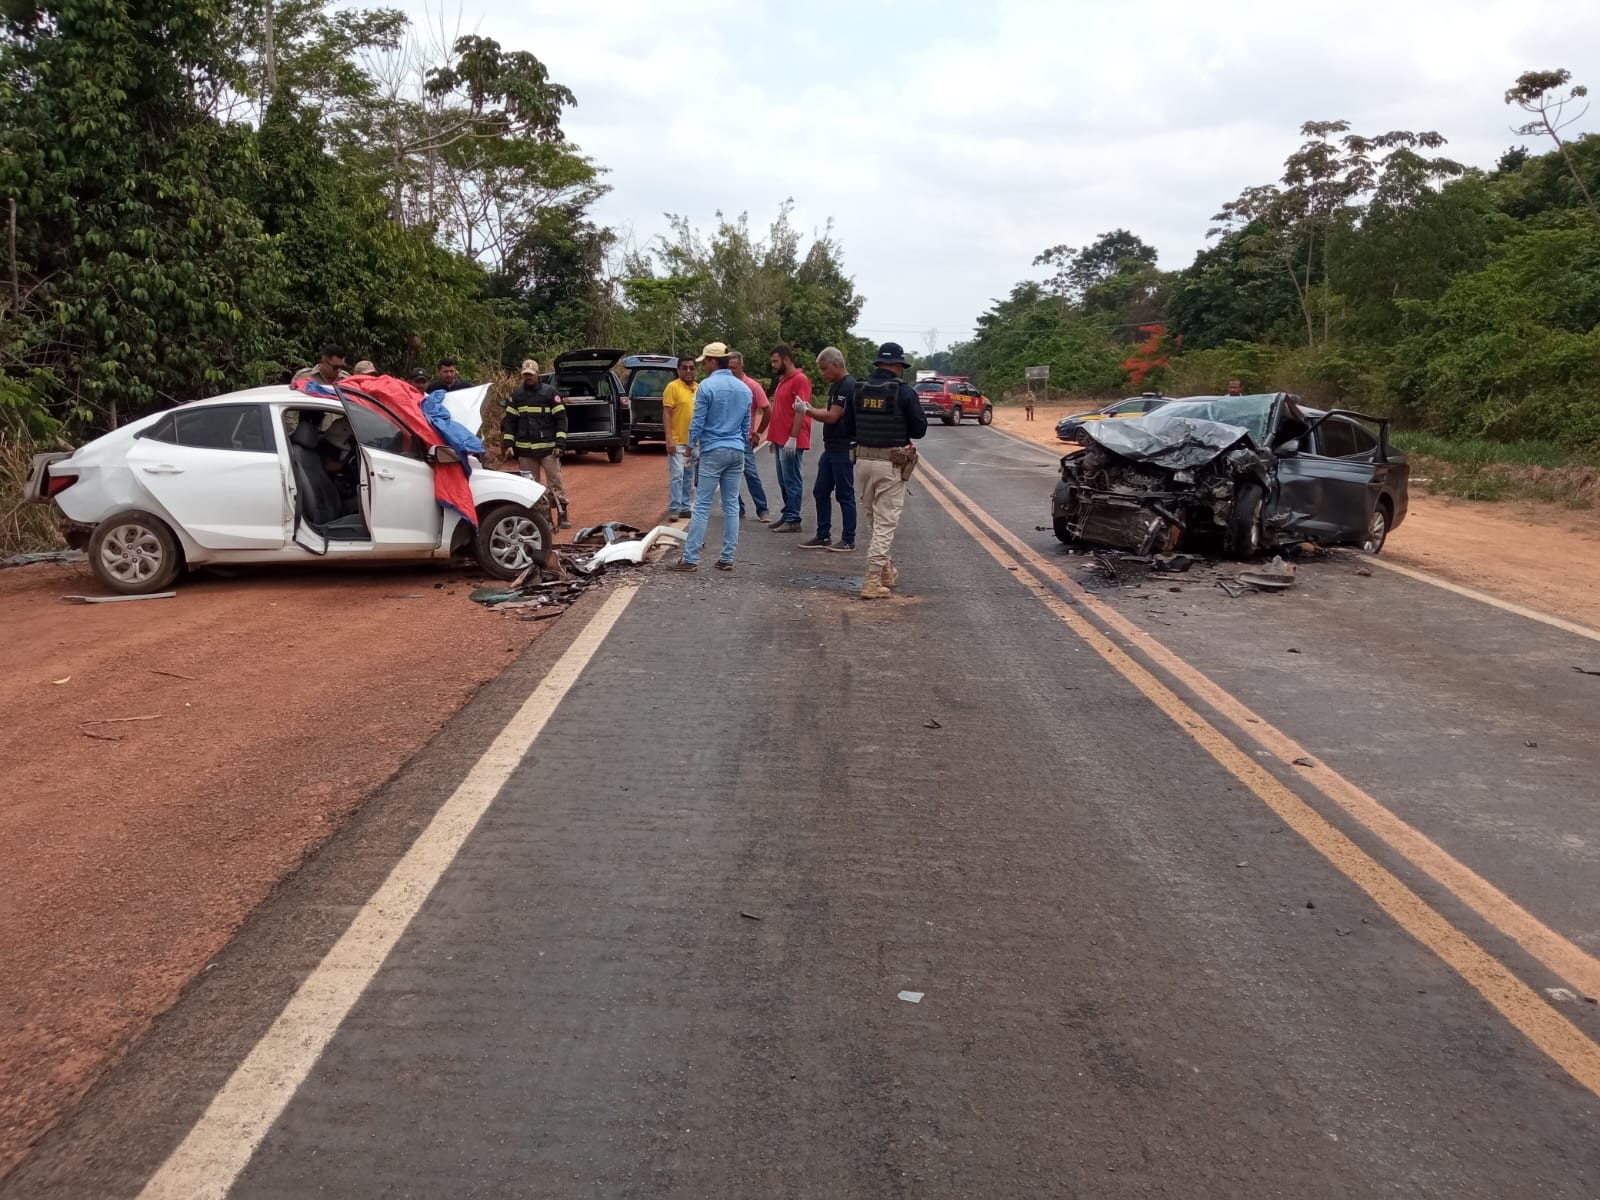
{"type": "Point", "coordinates": [1532, 614]}
{"type": "Point", "coordinates": [210, 1158]}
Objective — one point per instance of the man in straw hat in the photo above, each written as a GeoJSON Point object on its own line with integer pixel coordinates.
{"type": "Point", "coordinates": [718, 435]}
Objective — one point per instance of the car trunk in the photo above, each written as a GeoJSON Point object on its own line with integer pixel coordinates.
{"type": "Point", "coordinates": [589, 389]}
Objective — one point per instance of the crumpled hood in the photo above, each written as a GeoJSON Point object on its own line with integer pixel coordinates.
{"type": "Point", "coordinates": [1174, 442]}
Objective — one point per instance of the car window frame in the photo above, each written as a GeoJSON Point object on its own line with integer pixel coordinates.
{"type": "Point", "coordinates": [415, 447]}
{"type": "Point", "coordinates": [168, 430]}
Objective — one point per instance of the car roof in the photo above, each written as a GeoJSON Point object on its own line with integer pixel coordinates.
{"type": "Point", "coordinates": [258, 395]}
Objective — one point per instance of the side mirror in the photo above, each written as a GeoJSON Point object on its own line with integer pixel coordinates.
{"type": "Point", "coordinates": [442, 454]}
{"type": "Point", "coordinates": [1289, 449]}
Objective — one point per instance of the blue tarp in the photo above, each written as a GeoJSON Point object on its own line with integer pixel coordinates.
{"type": "Point", "coordinates": [456, 435]}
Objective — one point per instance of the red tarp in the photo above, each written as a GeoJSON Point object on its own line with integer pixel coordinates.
{"type": "Point", "coordinates": [402, 401]}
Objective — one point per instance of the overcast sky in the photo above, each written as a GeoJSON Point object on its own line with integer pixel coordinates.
{"type": "Point", "coordinates": [950, 143]}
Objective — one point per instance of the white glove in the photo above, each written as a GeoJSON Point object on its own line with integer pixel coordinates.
{"type": "Point", "coordinates": [800, 405]}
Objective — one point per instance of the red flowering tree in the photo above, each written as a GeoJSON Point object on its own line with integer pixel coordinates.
{"type": "Point", "coordinates": [1150, 355]}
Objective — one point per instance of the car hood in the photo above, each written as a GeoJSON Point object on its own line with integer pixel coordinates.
{"type": "Point", "coordinates": [1172, 441]}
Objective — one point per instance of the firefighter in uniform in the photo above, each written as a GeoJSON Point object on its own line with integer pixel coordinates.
{"type": "Point", "coordinates": [883, 419]}
{"type": "Point", "coordinates": [534, 428]}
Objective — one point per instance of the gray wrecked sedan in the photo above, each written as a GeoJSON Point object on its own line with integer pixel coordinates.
{"type": "Point", "coordinates": [1236, 474]}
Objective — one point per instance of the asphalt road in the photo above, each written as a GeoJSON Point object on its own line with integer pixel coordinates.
{"type": "Point", "coordinates": [1156, 955]}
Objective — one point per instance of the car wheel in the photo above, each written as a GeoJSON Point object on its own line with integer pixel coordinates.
{"type": "Point", "coordinates": [951, 417]}
{"type": "Point", "coordinates": [614, 455]}
{"type": "Point", "coordinates": [511, 539]}
{"type": "Point", "coordinates": [986, 417]}
{"type": "Point", "coordinates": [1244, 522]}
{"type": "Point", "coordinates": [135, 553]}
{"type": "Point", "coordinates": [1377, 528]}
{"type": "Point", "coordinates": [1063, 531]}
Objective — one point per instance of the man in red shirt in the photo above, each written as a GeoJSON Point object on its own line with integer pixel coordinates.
{"type": "Point", "coordinates": [760, 414]}
{"type": "Point", "coordinates": [789, 433]}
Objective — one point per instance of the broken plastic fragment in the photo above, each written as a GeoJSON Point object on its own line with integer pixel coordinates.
{"type": "Point", "coordinates": [911, 997]}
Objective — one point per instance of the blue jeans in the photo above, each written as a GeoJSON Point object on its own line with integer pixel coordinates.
{"type": "Point", "coordinates": [836, 475]}
{"type": "Point", "coordinates": [790, 481]}
{"type": "Point", "coordinates": [752, 480]}
{"type": "Point", "coordinates": [720, 468]}
{"type": "Point", "coordinates": [678, 480]}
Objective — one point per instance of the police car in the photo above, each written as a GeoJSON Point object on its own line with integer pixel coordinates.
{"type": "Point", "coordinates": [953, 399]}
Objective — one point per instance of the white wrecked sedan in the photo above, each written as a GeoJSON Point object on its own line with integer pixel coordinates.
{"type": "Point", "coordinates": [275, 475]}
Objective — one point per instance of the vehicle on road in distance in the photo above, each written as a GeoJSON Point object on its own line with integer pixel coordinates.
{"type": "Point", "coordinates": [1242, 474]}
{"type": "Point", "coordinates": [273, 475]}
{"type": "Point", "coordinates": [645, 381]}
{"type": "Point", "coordinates": [598, 412]}
{"type": "Point", "coordinates": [1068, 427]}
{"type": "Point", "coordinates": [953, 399]}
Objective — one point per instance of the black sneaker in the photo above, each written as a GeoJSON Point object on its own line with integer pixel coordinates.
{"type": "Point", "coordinates": [817, 543]}
{"type": "Point", "coordinates": [844, 548]}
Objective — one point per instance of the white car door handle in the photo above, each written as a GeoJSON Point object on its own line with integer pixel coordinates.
{"type": "Point", "coordinates": [163, 469]}
{"type": "Point", "coordinates": [382, 473]}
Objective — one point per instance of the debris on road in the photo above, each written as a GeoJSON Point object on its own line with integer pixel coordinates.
{"type": "Point", "coordinates": [1276, 576]}
{"type": "Point", "coordinates": [1585, 671]}
{"type": "Point", "coordinates": [630, 550]}
{"type": "Point", "coordinates": [1564, 995]}
{"type": "Point", "coordinates": [912, 997]}
{"type": "Point", "coordinates": [63, 679]}
{"type": "Point", "coordinates": [173, 674]}
{"type": "Point", "coordinates": [34, 557]}
{"type": "Point", "coordinates": [1364, 572]}
{"type": "Point", "coordinates": [749, 916]}
{"type": "Point", "coordinates": [1304, 762]}
{"type": "Point", "coordinates": [117, 599]}
{"type": "Point", "coordinates": [930, 723]}
{"type": "Point", "coordinates": [606, 533]}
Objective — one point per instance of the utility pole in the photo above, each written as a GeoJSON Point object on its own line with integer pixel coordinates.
{"type": "Point", "coordinates": [269, 52]}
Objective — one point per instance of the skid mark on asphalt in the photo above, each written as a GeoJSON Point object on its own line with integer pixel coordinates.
{"type": "Point", "coordinates": [1518, 1003]}
{"type": "Point", "coordinates": [210, 1157]}
{"type": "Point", "coordinates": [1568, 960]}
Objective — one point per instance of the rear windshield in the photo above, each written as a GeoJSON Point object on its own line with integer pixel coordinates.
{"type": "Point", "coordinates": [651, 381]}
{"type": "Point", "coordinates": [930, 385]}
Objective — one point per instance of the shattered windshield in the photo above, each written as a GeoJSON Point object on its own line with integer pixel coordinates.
{"type": "Point", "coordinates": [1253, 413]}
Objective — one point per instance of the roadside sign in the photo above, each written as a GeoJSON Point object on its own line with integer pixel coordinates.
{"type": "Point", "coordinates": [1036, 374]}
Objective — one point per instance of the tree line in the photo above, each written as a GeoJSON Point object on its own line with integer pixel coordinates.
{"type": "Point", "coordinates": [1376, 272]}
{"type": "Point", "coordinates": [198, 194]}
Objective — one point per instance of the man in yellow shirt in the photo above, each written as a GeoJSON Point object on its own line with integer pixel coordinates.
{"type": "Point", "coordinates": [677, 410]}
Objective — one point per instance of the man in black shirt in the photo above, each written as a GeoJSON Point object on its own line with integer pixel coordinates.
{"type": "Point", "coordinates": [448, 379]}
{"type": "Point", "coordinates": [883, 418]}
{"type": "Point", "coordinates": [836, 474]}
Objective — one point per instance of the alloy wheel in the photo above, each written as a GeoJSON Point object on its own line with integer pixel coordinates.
{"type": "Point", "coordinates": [132, 554]}
{"type": "Point", "coordinates": [514, 543]}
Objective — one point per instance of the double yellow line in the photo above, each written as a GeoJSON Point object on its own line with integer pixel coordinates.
{"type": "Point", "coordinates": [1518, 1003]}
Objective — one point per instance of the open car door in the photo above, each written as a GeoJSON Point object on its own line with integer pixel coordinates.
{"type": "Point", "coordinates": [397, 482]}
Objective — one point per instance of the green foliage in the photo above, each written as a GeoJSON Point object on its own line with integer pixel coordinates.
{"type": "Point", "coordinates": [1032, 328]}
{"type": "Point", "coordinates": [1512, 351]}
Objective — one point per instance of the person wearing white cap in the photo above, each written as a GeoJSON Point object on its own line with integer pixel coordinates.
{"type": "Point", "coordinates": [718, 435]}
{"type": "Point", "coordinates": [534, 429]}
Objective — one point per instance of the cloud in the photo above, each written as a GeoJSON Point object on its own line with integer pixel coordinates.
{"type": "Point", "coordinates": [951, 143]}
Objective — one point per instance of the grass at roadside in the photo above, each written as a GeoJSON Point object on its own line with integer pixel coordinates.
{"type": "Point", "coordinates": [1480, 470]}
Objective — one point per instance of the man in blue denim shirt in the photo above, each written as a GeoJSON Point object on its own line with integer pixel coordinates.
{"type": "Point", "coordinates": [718, 436]}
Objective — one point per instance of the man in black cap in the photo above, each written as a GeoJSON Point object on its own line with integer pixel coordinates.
{"type": "Point", "coordinates": [883, 419]}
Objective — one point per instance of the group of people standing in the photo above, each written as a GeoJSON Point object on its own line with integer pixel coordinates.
{"type": "Point", "coordinates": [713, 431]}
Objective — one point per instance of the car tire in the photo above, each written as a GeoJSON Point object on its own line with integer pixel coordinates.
{"type": "Point", "coordinates": [135, 553]}
{"type": "Point", "coordinates": [986, 417]}
{"type": "Point", "coordinates": [1377, 527]}
{"type": "Point", "coordinates": [510, 539]}
{"type": "Point", "coordinates": [614, 455]}
{"type": "Point", "coordinates": [1244, 521]}
{"type": "Point", "coordinates": [1063, 532]}
{"type": "Point", "coordinates": [951, 417]}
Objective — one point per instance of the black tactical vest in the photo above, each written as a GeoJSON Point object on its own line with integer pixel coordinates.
{"type": "Point", "coordinates": [879, 420]}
